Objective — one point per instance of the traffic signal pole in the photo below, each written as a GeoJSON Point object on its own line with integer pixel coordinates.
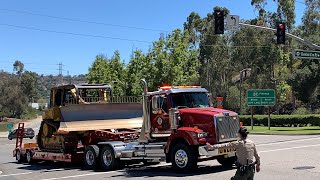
{"type": "Point", "coordinates": [306, 42]}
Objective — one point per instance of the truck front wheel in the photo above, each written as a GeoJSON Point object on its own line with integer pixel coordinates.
{"type": "Point", "coordinates": [108, 160]}
{"type": "Point", "coordinates": [183, 158]}
{"type": "Point", "coordinates": [90, 156]}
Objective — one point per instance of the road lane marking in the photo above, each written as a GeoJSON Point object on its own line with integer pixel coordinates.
{"type": "Point", "coordinates": [80, 175]}
{"type": "Point", "coordinates": [0, 172]}
{"type": "Point", "coordinates": [289, 141]}
{"type": "Point", "coordinates": [297, 147]}
{"type": "Point", "coordinates": [18, 174]}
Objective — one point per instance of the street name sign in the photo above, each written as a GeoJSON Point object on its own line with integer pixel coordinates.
{"type": "Point", "coordinates": [261, 97]}
{"type": "Point", "coordinates": [304, 54]}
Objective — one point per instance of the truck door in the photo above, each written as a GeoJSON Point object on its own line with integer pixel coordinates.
{"type": "Point", "coordinates": [160, 119]}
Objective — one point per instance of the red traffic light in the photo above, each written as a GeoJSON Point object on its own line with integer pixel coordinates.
{"type": "Point", "coordinates": [281, 26]}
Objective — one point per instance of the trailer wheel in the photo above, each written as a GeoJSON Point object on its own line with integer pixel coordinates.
{"type": "Point", "coordinates": [19, 156]}
{"type": "Point", "coordinates": [29, 156]}
{"type": "Point", "coordinates": [227, 162]}
{"type": "Point", "coordinates": [183, 158]}
{"type": "Point", "coordinates": [90, 156]}
{"type": "Point", "coordinates": [108, 160]}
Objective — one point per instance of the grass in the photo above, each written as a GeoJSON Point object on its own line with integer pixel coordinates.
{"type": "Point", "coordinates": [284, 130]}
{"type": "Point", "coordinates": [3, 127]}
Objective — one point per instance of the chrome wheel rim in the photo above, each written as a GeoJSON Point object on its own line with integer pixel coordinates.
{"type": "Point", "coordinates": [90, 158]}
{"type": "Point", "coordinates": [181, 158]}
{"type": "Point", "coordinates": [28, 156]}
{"type": "Point", "coordinates": [18, 156]}
{"type": "Point", "coordinates": [107, 158]}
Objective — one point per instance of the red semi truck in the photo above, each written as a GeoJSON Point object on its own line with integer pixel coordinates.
{"type": "Point", "coordinates": [172, 124]}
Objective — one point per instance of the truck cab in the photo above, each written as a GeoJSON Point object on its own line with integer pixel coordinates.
{"type": "Point", "coordinates": [180, 120]}
{"type": "Point", "coordinates": [192, 109]}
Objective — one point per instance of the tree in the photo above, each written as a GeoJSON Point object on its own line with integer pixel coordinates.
{"type": "Point", "coordinates": [116, 74]}
{"type": "Point", "coordinates": [306, 79]}
{"type": "Point", "coordinates": [18, 66]}
{"type": "Point", "coordinates": [13, 101]}
{"type": "Point", "coordinates": [29, 85]}
{"type": "Point", "coordinates": [104, 70]}
{"type": "Point", "coordinates": [99, 71]}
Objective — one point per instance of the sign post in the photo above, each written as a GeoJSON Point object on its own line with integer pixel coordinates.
{"type": "Point", "coordinates": [261, 97]}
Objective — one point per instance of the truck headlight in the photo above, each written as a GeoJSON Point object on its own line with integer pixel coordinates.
{"type": "Point", "coordinates": [202, 134]}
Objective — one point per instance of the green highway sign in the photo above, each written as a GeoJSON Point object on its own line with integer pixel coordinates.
{"type": "Point", "coordinates": [261, 97]}
{"type": "Point", "coordinates": [303, 54]}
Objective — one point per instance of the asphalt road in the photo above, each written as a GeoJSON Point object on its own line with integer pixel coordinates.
{"type": "Point", "coordinates": [282, 157]}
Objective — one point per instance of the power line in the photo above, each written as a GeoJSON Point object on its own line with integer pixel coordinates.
{"type": "Point", "coordinates": [240, 46]}
{"type": "Point", "coordinates": [93, 22]}
{"type": "Point", "coordinates": [84, 21]}
{"type": "Point", "coordinates": [28, 63]}
{"type": "Point", "coordinates": [300, 2]}
{"type": "Point", "coordinates": [75, 34]}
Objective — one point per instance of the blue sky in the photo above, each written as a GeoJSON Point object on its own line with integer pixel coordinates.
{"type": "Point", "coordinates": [41, 51]}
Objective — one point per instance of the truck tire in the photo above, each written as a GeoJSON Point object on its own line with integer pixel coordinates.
{"type": "Point", "coordinates": [183, 158]}
{"type": "Point", "coordinates": [107, 159]}
{"type": "Point", "coordinates": [91, 154]}
{"type": "Point", "coordinates": [19, 156]}
{"type": "Point", "coordinates": [227, 162]}
{"type": "Point", "coordinates": [29, 155]}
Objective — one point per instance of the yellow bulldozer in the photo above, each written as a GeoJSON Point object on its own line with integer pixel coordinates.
{"type": "Point", "coordinates": [76, 110]}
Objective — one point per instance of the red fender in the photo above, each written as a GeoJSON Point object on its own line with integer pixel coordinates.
{"type": "Point", "coordinates": [189, 134]}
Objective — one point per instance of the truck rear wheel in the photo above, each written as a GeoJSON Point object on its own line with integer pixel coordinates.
{"type": "Point", "coordinates": [108, 161]}
{"type": "Point", "coordinates": [90, 156]}
{"type": "Point", "coordinates": [227, 162]}
{"type": "Point", "coordinates": [183, 158]}
{"type": "Point", "coordinates": [29, 157]}
{"type": "Point", "coordinates": [19, 156]}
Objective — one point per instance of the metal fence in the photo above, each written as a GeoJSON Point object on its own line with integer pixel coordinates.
{"type": "Point", "coordinates": [114, 99]}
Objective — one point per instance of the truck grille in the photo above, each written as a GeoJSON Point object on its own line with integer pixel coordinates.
{"type": "Point", "coordinates": [227, 128]}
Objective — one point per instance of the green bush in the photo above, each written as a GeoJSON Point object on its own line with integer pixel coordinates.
{"type": "Point", "coordinates": [282, 120]}
{"type": "Point", "coordinates": [30, 113]}
{"type": "Point", "coordinates": [301, 110]}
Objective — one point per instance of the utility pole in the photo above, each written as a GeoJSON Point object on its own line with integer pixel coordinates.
{"type": "Point", "coordinates": [241, 79]}
{"type": "Point", "coordinates": [69, 77]}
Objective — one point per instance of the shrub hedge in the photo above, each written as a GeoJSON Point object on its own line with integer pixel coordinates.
{"type": "Point", "coordinates": [282, 120]}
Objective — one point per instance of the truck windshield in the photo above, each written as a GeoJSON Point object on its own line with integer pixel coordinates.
{"type": "Point", "coordinates": [189, 100]}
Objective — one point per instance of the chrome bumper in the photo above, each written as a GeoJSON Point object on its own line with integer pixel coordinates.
{"type": "Point", "coordinates": [225, 151]}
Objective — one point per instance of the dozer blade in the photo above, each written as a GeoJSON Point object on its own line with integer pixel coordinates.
{"type": "Point", "coordinates": [101, 116]}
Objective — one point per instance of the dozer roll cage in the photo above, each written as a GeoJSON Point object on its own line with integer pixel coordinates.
{"type": "Point", "coordinates": [77, 94]}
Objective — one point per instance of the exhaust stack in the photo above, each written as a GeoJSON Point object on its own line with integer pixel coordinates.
{"type": "Point", "coordinates": [145, 131]}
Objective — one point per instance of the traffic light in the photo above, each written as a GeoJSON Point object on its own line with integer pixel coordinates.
{"type": "Point", "coordinates": [281, 33]}
{"type": "Point", "coordinates": [218, 22]}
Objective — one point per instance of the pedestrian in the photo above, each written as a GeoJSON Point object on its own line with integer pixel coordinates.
{"type": "Point", "coordinates": [245, 151]}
